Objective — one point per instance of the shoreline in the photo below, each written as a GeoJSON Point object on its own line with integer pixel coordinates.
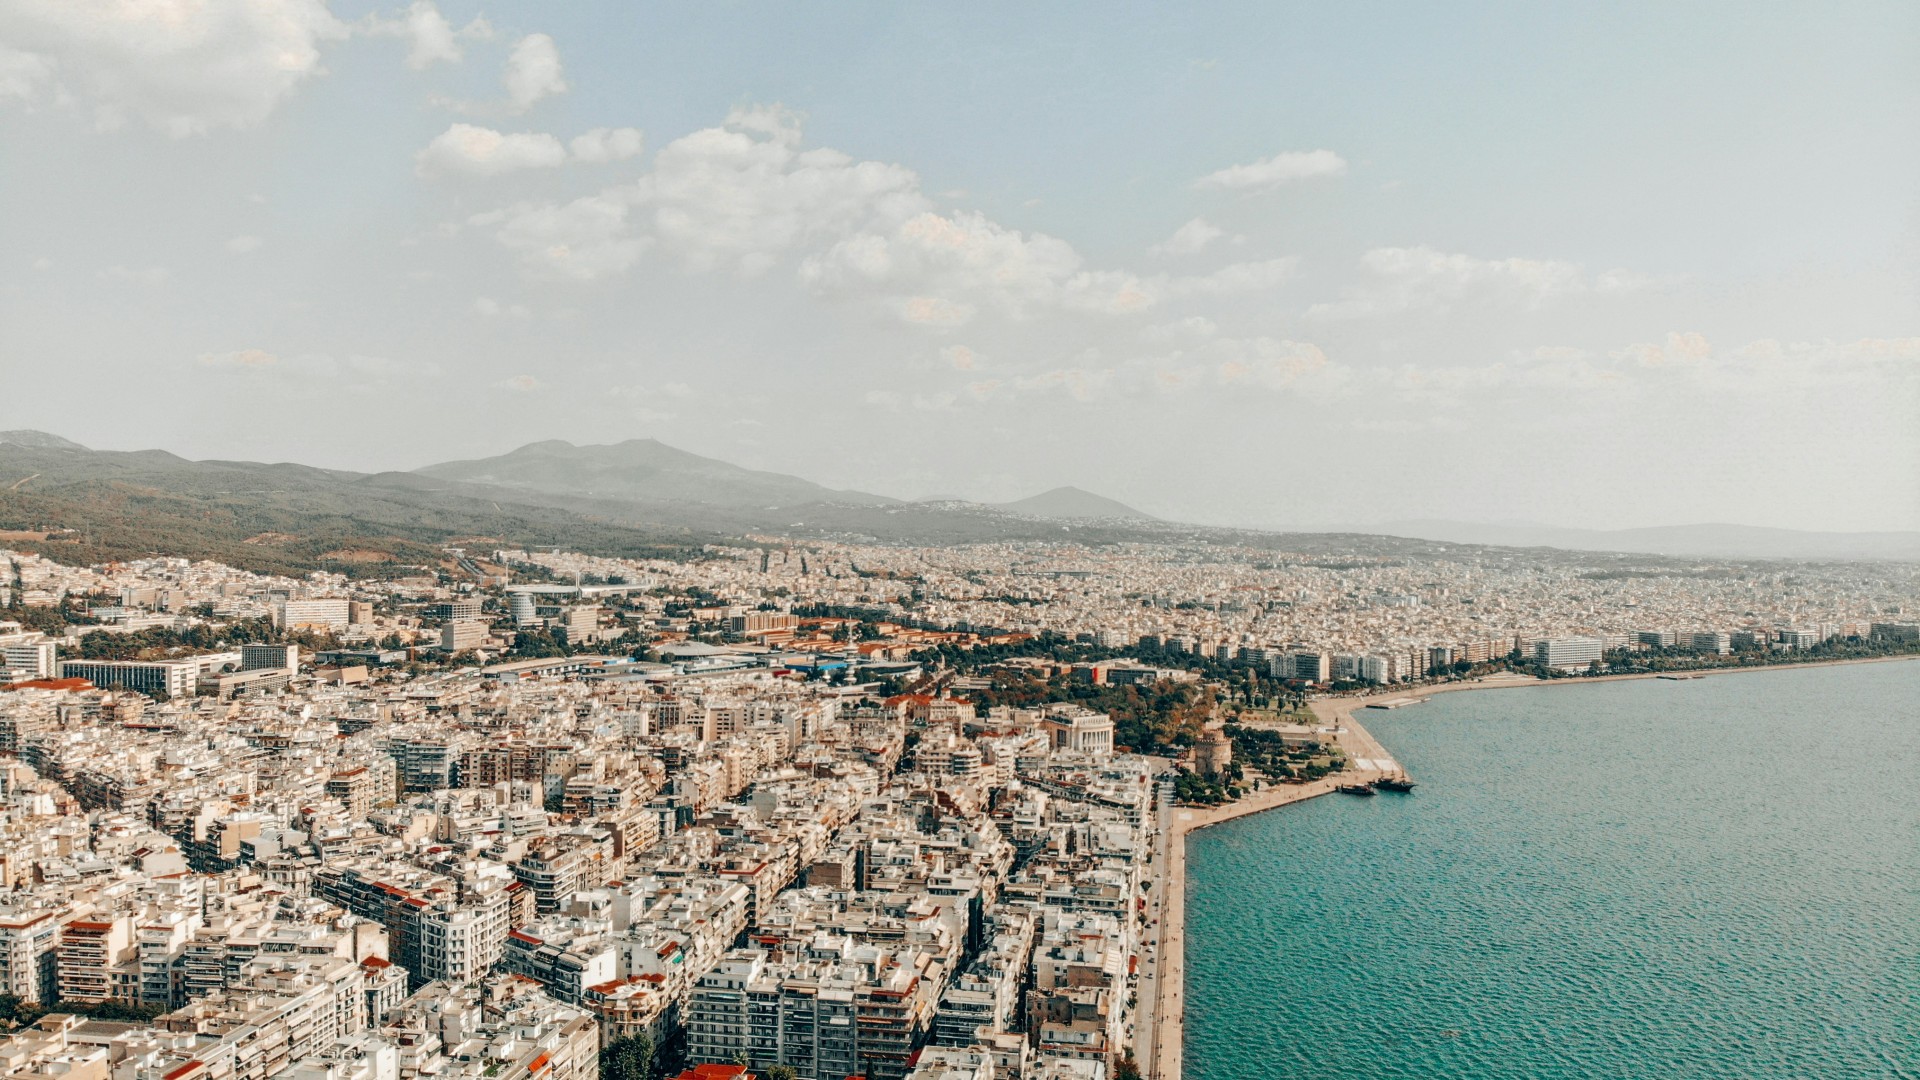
{"type": "Point", "coordinates": [1170, 987]}
{"type": "Point", "coordinates": [1338, 711]}
{"type": "Point", "coordinates": [1168, 1015]}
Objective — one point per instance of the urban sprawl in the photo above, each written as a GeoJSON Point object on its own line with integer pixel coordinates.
{"type": "Point", "coordinates": [786, 810]}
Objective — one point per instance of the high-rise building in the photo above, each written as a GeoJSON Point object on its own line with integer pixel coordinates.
{"type": "Point", "coordinates": [167, 678]}
{"type": "Point", "coordinates": [29, 660]}
{"type": "Point", "coordinates": [463, 634]}
{"type": "Point", "coordinates": [266, 657]}
{"type": "Point", "coordinates": [1710, 641]}
{"type": "Point", "coordinates": [1569, 653]}
{"type": "Point", "coordinates": [325, 613]}
{"type": "Point", "coordinates": [455, 609]}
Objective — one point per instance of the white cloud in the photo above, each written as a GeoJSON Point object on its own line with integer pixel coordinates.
{"type": "Point", "coordinates": [1403, 278]}
{"type": "Point", "coordinates": [1679, 348]}
{"type": "Point", "coordinates": [1269, 363]}
{"type": "Point", "coordinates": [185, 68]}
{"type": "Point", "coordinates": [520, 384]}
{"type": "Point", "coordinates": [244, 245]}
{"type": "Point", "coordinates": [479, 151]}
{"type": "Point", "coordinates": [152, 275]}
{"type": "Point", "coordinates": [960, 358]}
{"type": "Point", "coordinates": [250, 359]}
{"type": "Point", "coordinates": [490, 308]}
{"type": "Point", "coordinates": [1190, 239]}
{"type": "Point", "coordinates": [585, 239]}
{"type": "Point", "coordinates": [1246, 277]}
{"type": "Point", "coordinates": [23, 74]}
{"type": "Point", "coordinates": [740, 194]}
{"type": "Point", "coordinates": [431, 39]}
{"type": "Point", "coordinates": [967, 254]}
{"type": "Point", "coordinates": [533, 72]}
{"type": "Point", "coordinates": [934, 311]}
{"type": "Point", "coordinates": [1276, 170]}
{"type": "Point", "coordinates": [607, 144]}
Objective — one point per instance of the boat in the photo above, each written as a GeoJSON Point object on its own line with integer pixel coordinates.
{"type": "Point", "coordinates": [1355, 789]}
{"type": "Point", "coordinates": [1394, 783]}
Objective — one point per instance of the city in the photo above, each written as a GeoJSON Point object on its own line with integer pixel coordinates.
{"type": "Point", "coordinates": [538, 814]}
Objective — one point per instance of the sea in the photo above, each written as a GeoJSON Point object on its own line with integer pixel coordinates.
{"type": "Point", "coordinates": [1652, 879]}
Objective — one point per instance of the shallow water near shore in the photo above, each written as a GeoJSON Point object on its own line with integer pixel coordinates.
{"type": "Point", "coordinates": [1709, 878]}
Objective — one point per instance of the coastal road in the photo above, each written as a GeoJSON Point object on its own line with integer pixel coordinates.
{"type": "Point", "coordinates": [1147, 1019]}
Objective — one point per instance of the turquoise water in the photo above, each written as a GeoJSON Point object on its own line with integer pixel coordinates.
{"type": "Point", "coordinates": [1710, 878]}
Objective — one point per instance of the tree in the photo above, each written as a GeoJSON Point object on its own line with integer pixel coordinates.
{"type": "Point", "coordinates": [783, 1072]}
{"type": "Point", "coordinates": [628, 1059]}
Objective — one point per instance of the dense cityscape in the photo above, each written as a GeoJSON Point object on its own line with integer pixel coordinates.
{"type": "Point", "coordinates": [811, 810]}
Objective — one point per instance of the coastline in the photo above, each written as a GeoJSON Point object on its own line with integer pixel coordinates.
{"type": "Point", "coordinates": [1339, 711]}
{"type": "Point", "coordinates": [1169, 990]}
{"type": "Point", "coordinates": [1168, 1007]}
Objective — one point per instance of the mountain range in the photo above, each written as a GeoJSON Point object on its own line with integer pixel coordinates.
{"type": "Point", "coordinates": [639, 497]}
{"type": "Point", "coordinates": [642, 497]}
{"type": "Point", "coordinates": [1692, 541]}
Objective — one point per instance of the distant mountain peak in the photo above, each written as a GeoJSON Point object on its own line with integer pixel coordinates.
{"type": "Point", "coordinates": [643, 471]}
{"type": "Point", "coordinates": [38, 440]}
{"type": "Point", "coordinates": [1068, 503]}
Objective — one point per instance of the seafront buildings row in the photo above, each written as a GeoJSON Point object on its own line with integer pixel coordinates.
{"type": "Point", "coordinates": [490, 818]}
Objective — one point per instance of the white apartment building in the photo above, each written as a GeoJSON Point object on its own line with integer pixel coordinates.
{"type": "Point", "coordinates": [327, 613]}
{"type": "Point", "coordinates": [168, 678]}
{"type": "Point", "coordinates": [1570, 653]}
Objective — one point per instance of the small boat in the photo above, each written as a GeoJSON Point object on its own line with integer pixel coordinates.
{"type": "Point", "coordinates": [1355, 789]}
{"type": "Point", "coordinates": [1394, 783]}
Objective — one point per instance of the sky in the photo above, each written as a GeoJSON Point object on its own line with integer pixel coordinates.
{"type": "Point", "coordinates": [1266, 264]}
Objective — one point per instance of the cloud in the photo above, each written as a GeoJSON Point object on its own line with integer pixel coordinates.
{"type": "Point", "coordinates": [246, 359]}
{"type": "Point", "coordinates": [431, 39]}
{"type": "Point", "coordinates": [733, 197]}
{"type": "Point", "coordinates": [152, 275]}
{"type": "Point", "coordinates": [606, 144]}
{"type": "Point", "coordinates": [519, 384]}
{"type": "Point", "coordinates": [743, 195]}
{"type": "Point", "coordinates": [586, 239]}
{"type": "Point", "coordinates": [968, 254]}
{"type": "Point", "coordinates": [477, 151]}
{"type": "Point", "coordinates": [1269, 363]}
{"type": "Point", "coordinates": [184, 68]}
{"type": "Point", "coordinates": [1403, 278]}
{"type": "Point", "coordinates": [1190, 239]}
{"type": "Point", "coordinates": [23, 74]}
{"type": "Point", "coordinates": [960, 358]}
{"type": "Point", "coordinates": [1276, 170]}
{"type": "Point", "coordinates": [243, 245]}
{"type": "Point", "coordinates": [740, 194]}
{"type": "Point", "coordinates": [1679, 348]}
{"type": "Point", "coordinates": [935, 312]}
{"type": "Point", "coordinates": [1246, 277]}
{"type": "Point", "coordinates": [487, 307]}
{"type": "Point", "coordinates": [533, 72]}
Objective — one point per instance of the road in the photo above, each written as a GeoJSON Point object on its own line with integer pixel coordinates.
{"type": "Point", "coordinates": [1146, 1024]}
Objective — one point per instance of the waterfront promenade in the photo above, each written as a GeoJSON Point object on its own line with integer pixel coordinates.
{"type": "Point", "coordinates": [1163, 992]}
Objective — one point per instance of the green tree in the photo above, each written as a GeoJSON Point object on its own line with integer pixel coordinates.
{"type": "Point", "coordinates": [628, 1059]}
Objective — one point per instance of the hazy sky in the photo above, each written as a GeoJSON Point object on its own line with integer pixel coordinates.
{"type": "Point", "coordinates": [1263, 264]}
